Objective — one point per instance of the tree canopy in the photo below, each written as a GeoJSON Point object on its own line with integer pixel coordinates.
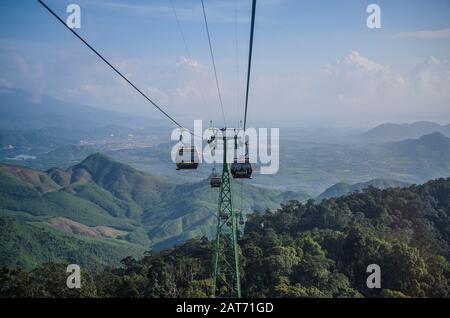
{"type": "Point", "coordinates": [300, 250]}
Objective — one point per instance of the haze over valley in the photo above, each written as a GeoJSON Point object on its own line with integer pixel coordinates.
{"type": "Point", "coordinates": [311, 159]}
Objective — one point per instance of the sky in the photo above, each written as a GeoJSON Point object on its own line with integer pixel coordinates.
{"type": "Point", "coordinates": [315, 62]}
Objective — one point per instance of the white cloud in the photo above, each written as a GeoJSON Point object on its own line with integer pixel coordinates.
{"type": "Point", "coordinates": [437, 34]}
{"type": "Point", "coordinates": [354, 65]}
{"type": "Point", "coordinates": [5, 83]}
{"type": "Point", "coordinates": [353, 86]}
{"type": "Point", "coordinates": [182, 86]}
{"type": "Point", "coordinates": [432, 78]}
{"type": "Point", "coordinates": [362, 88]}
{"type": "Point", "coordinates": [358, 62]}
{"type": "Point", "coordinates": [358, 81]}
{"type": "Point", "coordinates": [185, 61]}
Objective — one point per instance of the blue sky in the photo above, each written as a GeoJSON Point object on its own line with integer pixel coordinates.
{"type": "Point", "coordinates": [315, 62]}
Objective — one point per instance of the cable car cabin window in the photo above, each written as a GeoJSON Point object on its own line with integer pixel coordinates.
{"type": "Point", "coordinates": [187, 158]}
{"type": "Point", "coordinates": [241, 170]}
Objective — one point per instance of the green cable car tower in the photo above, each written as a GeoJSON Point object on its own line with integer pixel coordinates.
{"type": "Point", "coordinates": [227, 281]}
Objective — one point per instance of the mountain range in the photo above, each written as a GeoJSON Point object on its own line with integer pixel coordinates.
{"type": "Point", "coordinates": [342, 188]}
{"type": "Point", "coordinates": [389, 132]}
{"type": "Point", "coordinates": [19, 110]}
{"type": "Point", "coordinates": [305, 165]}
{"type": "Point", "coordinates": [99, 211]}
{"type": "Point", "coordinates": [310, 167]}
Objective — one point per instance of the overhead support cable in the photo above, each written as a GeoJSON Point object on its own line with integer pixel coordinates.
{"type": "Point", "coordinates": [252, 29]}
{"type": "Point", "coordinates": [213, 63]}
{"type": "Point", "coordinates": [236, 40]}
{"type": "Point", "coordinates": [114, 68]}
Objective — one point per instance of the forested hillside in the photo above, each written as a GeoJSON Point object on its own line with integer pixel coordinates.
{"type": "Point", "coordinates": [100, 211]}
{"type": "Point", "coordinates": [300, 250]}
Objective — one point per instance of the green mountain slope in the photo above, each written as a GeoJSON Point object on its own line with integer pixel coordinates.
{"type": "Point", "coordinates": [195, 204]}
{"type": "Point", "coordinates": [28, 243]}
{"type": "Point", "coordinates": [99, 192]}
{"type": "Point", "coordinates": [427, 157]}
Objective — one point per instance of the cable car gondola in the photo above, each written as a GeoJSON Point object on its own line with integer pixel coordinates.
{"type": "Point", "coordinates": [187, 158]}
{"type": "Point", "coordinates": [215, 181]}
{"type": "Point", "coordinates": [242, 170]}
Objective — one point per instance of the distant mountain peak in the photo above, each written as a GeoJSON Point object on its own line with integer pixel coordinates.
{"type": "Point", "coordinates": [97, 157]}
{"type": "Point", "coordinates": [20, 108]}
{"type": "Point", "coordinates": [436, 135]}
{"type": "Point", "coordinates": [104, 170]}
{"type": "Point", "coordinates": [389, 132]}
{"type": "Point", "coordinates": [416, 124]}
{"type": "Point", "coordinates": [342, 188]}
{"type": "Point", "coordinates": [435, 139]}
